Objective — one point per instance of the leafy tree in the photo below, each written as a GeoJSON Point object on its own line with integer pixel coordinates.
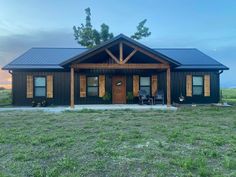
{"type": "Point", "coordinates": [86, 36]}
{"type": "Point", "coordinates": [142, 31]}
{"type": "Point", "coordinates": [104, 34]}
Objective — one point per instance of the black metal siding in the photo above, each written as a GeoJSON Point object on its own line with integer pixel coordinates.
{"type": "Point", "coordinates": [61, 87]}
{"type": "Point", "coordinates": [178, 86]}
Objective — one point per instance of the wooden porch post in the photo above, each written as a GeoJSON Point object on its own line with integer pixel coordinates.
{"type": "Point", "coordinates": [168, 87]}
{"type": "Point", "coordinates": [121, 53]}
{"type": "Point", "coordinates": [72, 87]}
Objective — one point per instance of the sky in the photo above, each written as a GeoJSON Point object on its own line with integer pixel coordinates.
{"type": "Point", "coordinates": [208, 25]}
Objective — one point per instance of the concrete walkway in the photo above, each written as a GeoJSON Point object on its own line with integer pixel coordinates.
{"type": "Point", "coordinates": [122, 106]}
{"type": "Point", "coordinates": [59, 109]}
{"type": "Point", "coordinates": [45, 109]}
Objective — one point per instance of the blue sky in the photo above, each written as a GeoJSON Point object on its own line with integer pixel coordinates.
{"type": "Point", "coordinates": [207, 25]}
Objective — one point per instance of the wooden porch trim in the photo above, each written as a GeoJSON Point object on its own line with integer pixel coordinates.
{"type": "Point", "coordinates": [96, 52]}
{"type": "Point", "coordinates": [129, 56]}
{"type": "Point", "coordinates": [120, 66]}
{"type": "Point", "coordinates": [146, 53]}
{"type": "Point", "coordinates": [168, 86]}
{"type": "Point", "coordinates": [121, 52]}
{"type": "Point", "coordinates": [112, 56]}
{"type": "Point", "coordinates": [72, 87]}
{"type": "Point", "coordinates": [121, 45]}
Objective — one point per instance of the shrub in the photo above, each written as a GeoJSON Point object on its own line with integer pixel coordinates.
{"type": "Point", "coordinates": [107, 96]}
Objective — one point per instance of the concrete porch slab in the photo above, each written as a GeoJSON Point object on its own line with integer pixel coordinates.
{"type": "Point", "coordinates": [122, 107]}
{"type": "Point", "coordinates": [59, 109]}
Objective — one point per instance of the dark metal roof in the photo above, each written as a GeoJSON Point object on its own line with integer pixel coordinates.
{"type": "Point", "coordinates": [44, 58]}
{"type": "Point", "coordinates": [56, 58]}
{"type": "Point", "coordinates": [191, 58]}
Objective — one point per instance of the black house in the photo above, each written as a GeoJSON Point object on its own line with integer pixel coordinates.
{"type": "Point", "coordinates": [113, 73]}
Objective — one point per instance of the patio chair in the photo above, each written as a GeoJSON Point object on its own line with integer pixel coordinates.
{"type": "Point", "coordinates": [159, 96]}
{"type": "Point", "coordinates": [143, 97]}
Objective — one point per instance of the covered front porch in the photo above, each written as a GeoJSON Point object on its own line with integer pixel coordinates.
{"type": "Point", "coordinates": [117, 87]}
{"type": "Point", "coordinates": [113, 69]}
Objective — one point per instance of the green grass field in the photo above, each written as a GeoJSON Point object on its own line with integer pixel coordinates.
{"type": "Point", "coordinates": [199, 141]}
{"type": "Point", "coordinates": [229, 95]}
{"type": "Point", "coordinates": [5, 97]}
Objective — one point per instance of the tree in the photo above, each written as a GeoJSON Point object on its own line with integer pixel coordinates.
{"type": "Point", "coordinates": [88, 37]}
{"type": "Point", "coordinates": [104, 34]}
{"type": "Point", "coordinates": [84, 34]}
{"type": "Point", "coordinates": [142, 31]}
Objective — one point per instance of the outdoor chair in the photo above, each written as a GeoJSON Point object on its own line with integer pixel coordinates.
{"type": "Point", "coordinates": [143, 97]}
{"type": "Point", "coordinates": [159, 96]}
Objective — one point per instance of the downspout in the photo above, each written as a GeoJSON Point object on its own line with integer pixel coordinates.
{"type": "Point", "coordinates": [10, 72]}
{"type": "Point", "coordinates": [220, 91]}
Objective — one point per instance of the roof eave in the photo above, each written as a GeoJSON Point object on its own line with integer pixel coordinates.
{"type": "Point", "coordinates": [8, 67]}
{"type": "Point", "coordinates": [207, 67]}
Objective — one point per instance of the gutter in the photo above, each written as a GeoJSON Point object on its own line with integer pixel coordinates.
{"type": "Point", "coordinates": [220, 72]}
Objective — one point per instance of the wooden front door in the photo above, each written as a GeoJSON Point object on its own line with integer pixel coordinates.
{"type": "Point", "coordinates": [118, 89]}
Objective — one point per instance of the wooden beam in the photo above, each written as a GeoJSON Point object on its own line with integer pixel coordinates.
{"type": "Point", "coordinates": [121, 52]}
{"type": "Point", "coordinates": [120, 66]}
{"type": "Point", "coordinates": [112, 56]}
{"type": "Point", "coordinates": [168, 86]}
{"type": "Point", "coordinates": [147, 53]}
{"type": "Point", "coordinates": [72, 88]}
{"type": "Point", "coordinates": [91, 54]}
{"type": "Point", "coordinates": [129, 56]}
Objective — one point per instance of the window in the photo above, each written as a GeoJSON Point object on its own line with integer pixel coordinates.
{"type": "Point", "coordinates": [92, 86]}
{"type": "Point", "coordinates": [197, 85]}
{"type": "Point", "coordinates": [145, 84]}
{"type": "Point", "coordinates": [40, 86]}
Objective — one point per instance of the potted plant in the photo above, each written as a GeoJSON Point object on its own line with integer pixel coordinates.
{"type": "Point", "coordinates": [107, 97]}
{"type": "Point", "coordinates": [34, 104]}
{"type": "Point", "coordinates": [44, 103]}
{"type": "Point", "coordinates": [129, 97]}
